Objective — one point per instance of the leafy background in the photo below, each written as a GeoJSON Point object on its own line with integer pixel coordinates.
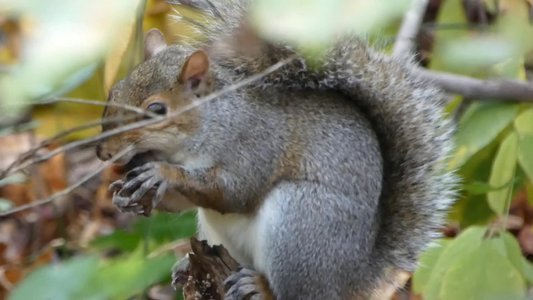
{"type": "Point", "coordinates": [79, 247]}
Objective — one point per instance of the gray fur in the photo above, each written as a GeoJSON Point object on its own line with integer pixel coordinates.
{"type": "Point", "coordinates": [327, 222]}
{"type": "Point", "coordinates": [370, 188]}
{"type": "Point", "coordinates": [405, 111]}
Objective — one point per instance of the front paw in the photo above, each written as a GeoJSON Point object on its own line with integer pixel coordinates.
{"type": "Point", "coordinates": [134, 192]}
{"type": "Point", "coordinates": [247, 284]}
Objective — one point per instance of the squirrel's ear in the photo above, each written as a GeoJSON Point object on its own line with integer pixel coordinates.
{"type": "Point", "coordinates": [195, 69]}
{"type": "Point", "coordinates": [154, 42]}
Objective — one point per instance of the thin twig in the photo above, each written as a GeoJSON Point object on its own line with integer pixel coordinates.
{"type": "Point", "coordinates": [96, 103]}
{"type": "Point", "coordinates": [405, 40]}
{"type": "Point", "coordinates": [48, 101]}
{"type": "Point", "coordinates": [27, 154]}
{"type": "Point", "coordinates": [23, 156]}
{"type": "Point", "coordinates": [461, 109]}
{"type": "Point", "coordinates": [512, 90]}
{"type": "Point", "coordinates": [154, 120]}
{"type": "Point", "coordinates": [479, 89]}
{"type": "Point", "coordinates": [68, 189]}
{"type": "Point", "coordinates": [434, 26]}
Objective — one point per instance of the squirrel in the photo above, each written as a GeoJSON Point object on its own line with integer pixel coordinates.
{"type": "Point", "coordinates": [324, 183]}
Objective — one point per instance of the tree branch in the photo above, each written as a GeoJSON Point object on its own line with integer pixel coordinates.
{"type": "Point", "coordinates": [202, 273]}
{"type": "Point", "coordinates": [480, 89]}
{"type": "Point", "coordinates": [158, 119]}
{"type": "Point", "coordinates": [512, 90]}
{"type": "Point", "coordinates": [68, 189]}
{"type": "Point", "coordinates": [47, 142]}
{"type": "Point", "coordinates": [137, 110]}
{"type": "Point", "coordinates": [405, 40]}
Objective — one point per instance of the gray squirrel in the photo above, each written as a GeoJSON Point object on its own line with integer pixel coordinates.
{"type": "Point", "coordinates": [324, 183]}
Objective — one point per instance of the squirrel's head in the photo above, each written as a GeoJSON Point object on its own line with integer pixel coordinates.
{"type": "Point", "coordinates": [165, 85]}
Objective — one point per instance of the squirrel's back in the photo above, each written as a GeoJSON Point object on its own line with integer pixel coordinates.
{"type": "Point", "coordinates": [318, 161]}
{"type": "Point", "coordinates": [294, 135]}
{"type": "Point", "coordinates": [405, 111]}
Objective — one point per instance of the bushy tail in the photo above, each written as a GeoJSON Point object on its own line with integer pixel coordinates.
{"type": "Point", "coordinates": [406, 113]}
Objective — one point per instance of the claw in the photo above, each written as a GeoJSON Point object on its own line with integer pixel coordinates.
{"type": "Point", "coordinates": [143, 189]}
{"type": "Point", "coordinates": [243, 285]}
{"type": "Point", "coordinates": [116, 186]}
{"type": "Point", "coordinates": [135, 182]}
{"type": "Point", "coordinates": [160, 192]}
{"type": "Point", "coordinates": [129, 194]}
{"type": "Point", "coordinates": [136, 171]}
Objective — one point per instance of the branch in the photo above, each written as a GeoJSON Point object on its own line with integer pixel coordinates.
{"type": "Point", "coordinates": [512, 90]}
{"type": "Point", "coordinates": [158, 119]}
{"type": "Point", "coordinates": [202, 273]}
{"type": "Point", "coordinates": [68, 189]}
{"type": "Point", "coordinates": [31, 152]}
{"type": "Point", "coordinates": [479, 89]}
{"type": "Point", "coordinates": [468, 87]}
{"type": "Point", "coordinates": [405, 40]}
{"type": "Point", "coordinates": [97, 103]}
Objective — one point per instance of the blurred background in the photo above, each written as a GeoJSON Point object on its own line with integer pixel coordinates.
{"type": "Point", "coordinates": [59, 58]}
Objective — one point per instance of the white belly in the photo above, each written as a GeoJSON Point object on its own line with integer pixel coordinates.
{"type": "Point", "coordinates": [242, 235]}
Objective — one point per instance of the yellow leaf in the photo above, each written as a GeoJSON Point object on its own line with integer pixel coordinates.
{"type": "Point", "coordinates": [61, 116]}
{"type": "Point", "coordinates": [117, 55]}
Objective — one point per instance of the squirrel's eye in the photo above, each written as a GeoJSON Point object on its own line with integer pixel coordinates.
{"type": "Point", "coordinates": [157, 108]}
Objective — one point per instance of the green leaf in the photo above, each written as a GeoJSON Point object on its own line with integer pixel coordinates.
{"type": "Point", "coordinates": [478, 188]}
{"type": "Point", "coordinates": [503, 170]}
{"type": "Point", "coordinates": [528, 270]}
{"type": "Point", "coordinates": [127, 277]}
{"type": "Point", "coordinates": [160, 227]}
{"type": "Point", "coordinates": [164, 227]}
{"type": "Point", "coordinates": [467, 242]}
{"type": "Point", "coordinates": [119, 239]}
{"type": "Point", "coordinates": [317, 22]}
{"type": "Point", "coordinates": [450, 13]}
{"type": "Point", "coordinates": [524, 127]}
{"type": "Point", "coordinates": [428, 260]}
{"type": "Point", "coordinates": [525, 155]}
{"type": "Point", "coordinates": [480, 125]}
{"type": "Point", "coordinates": [57, 281]}
{"type": "Point", "coordinates": [51, 64]}
{"type": "Point", "coordinates": [508, 246]}
{"type": "Point", "coordinates": [483, 274]}
{"type": "Point", "coordinates": [473, 54]}
{"type": "Point", "coordinates": [88, 278]}
{"type": "Point", "coordinates": [472, 267]}
{"type": "Point", "coordinates": [472, 210]}
{"type": "Point", "coordinates": [524, 122]}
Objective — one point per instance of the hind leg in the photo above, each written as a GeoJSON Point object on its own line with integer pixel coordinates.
{"type": "Point", "coordinates": [317, 248]}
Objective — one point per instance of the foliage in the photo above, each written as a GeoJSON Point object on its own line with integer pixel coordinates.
{"type": "Point", "coordinates": [494, 140]}
{"type": "Point", "coordinates": [143, 261]}
{"type": "Point", "coordinates": [493, 156]}
{"type": "Point", "coordinates": [494, 266]}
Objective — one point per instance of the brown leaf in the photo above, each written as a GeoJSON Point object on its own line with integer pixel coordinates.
{"type": "Point", "coordinates": [12, 146]}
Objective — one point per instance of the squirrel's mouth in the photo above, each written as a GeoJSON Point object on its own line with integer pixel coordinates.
{"type": "Point", "coordinates": [140, 159]}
